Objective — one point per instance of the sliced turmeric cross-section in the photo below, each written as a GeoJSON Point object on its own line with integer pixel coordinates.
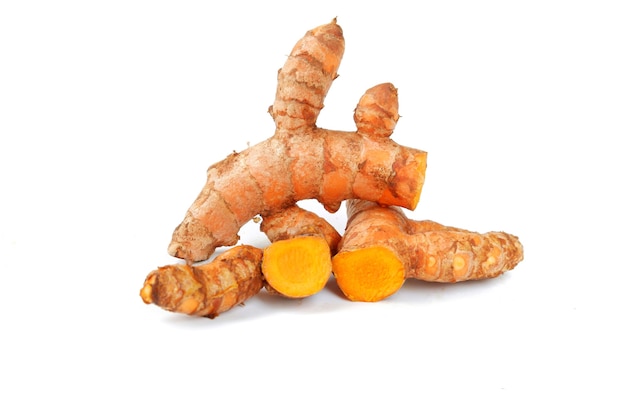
{"type": "Point", "coordinates": [297, 267]}
{"type": "Point", "coordinates": [369, 274]}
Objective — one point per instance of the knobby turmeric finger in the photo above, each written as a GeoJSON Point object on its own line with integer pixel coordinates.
{"type": "Point", "coordinates": [454, 256]}
{"type": "Point", "coordinates": [209, 289]}
{"type": "Point", "coordinates": [306, 77]}
{"type": "Point", "coordinates": [301, 161]}
{"type": "Point", "coordinates": [376, 114]}
{"type": "Point", "coordinates": [381, 247]}
{"type": "Point", "coordinates": [298, 261]}
{"type": "Point", "coordinates": [295, 221]}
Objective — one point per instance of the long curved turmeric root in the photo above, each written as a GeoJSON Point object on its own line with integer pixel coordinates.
{"type": "Point", "coordinates": [301, 161]}
{"type": "Point", "coordinates": [381, 247]}
{"type": "Point", "coordinates": [206, 290]}
{"type": "Point", "coordinates": [298, 262]}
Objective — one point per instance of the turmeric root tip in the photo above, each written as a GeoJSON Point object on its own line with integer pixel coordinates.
{"type": "Point", "coordinates": [206, 290]}
{"type": "Point", "coordinates": [369, 274]}
{"type": "Point", "coordinates": [297, 267]}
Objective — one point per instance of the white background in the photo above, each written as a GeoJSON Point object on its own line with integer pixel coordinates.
{"type": "Point", "coordinates": [110, 113]}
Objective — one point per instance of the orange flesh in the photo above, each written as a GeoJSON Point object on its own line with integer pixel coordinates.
{"type": "Point", "coordinates": [297, 267]}
{"type": "Point", "coordinates": [368, 274]}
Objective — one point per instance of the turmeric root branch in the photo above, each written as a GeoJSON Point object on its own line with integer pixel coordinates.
{"type": "Point", "coordinates": [295, 221]}
{"type": "Point", "coordinates": [206, 290]}
{"type": "Point", "coordinates": [382, 247]}
{"type": "Point", "coordinates": [452, 256]}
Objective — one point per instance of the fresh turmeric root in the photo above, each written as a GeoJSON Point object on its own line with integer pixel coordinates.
{"type": "Point", "coordinates": [301, 161]}
{"type": "Point", "coordinates": [206, 290]}
{"type": "Point", "coordinates": [381, 247]}
{"type": "Point", "coordinates": [298, 262]}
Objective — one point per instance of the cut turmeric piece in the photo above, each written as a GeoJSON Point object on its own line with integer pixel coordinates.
{"type": "Point", "coordinates": [298, 261]}
{"type": "Point", "coordinates": [301, 161]}
{"type": "Point", "coordinates": [206, 290]}
{"type": "Point", "coordinates": [297, 267]}
{"type": "Point", "coordinates": [382, 244]}
{"type": "Point", "coordinates": [369, 274]}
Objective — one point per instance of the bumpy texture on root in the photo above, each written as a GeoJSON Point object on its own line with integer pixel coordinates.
{"type": "Point", "coordinates": [206, 290]}
{"type": "Point", "coordinates": [301, 161]}
{"type": "Point", "coordinates": [298, 261]}
{"type": "Point", "coordinates": [306, 77]}
{"type": "Point", "coordinates": [381, 247]}
{"type": "Point", "coordinates": [295, 222]}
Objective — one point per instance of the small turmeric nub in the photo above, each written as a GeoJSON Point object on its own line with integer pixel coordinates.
{"type": "Point", "coordinates": [294, 222]}
{"type": "Point", "coordinates": [377, 111]}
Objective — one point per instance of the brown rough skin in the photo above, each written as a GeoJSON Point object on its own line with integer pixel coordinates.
{"type": "Point", "coordinates": [296, 222]}
{"type": "Point", "coordinates": [206, 290]}
{"type": "Point", "coordinates": [301, 161]}
{"type": "Point", "coordinates": [389, 247]}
